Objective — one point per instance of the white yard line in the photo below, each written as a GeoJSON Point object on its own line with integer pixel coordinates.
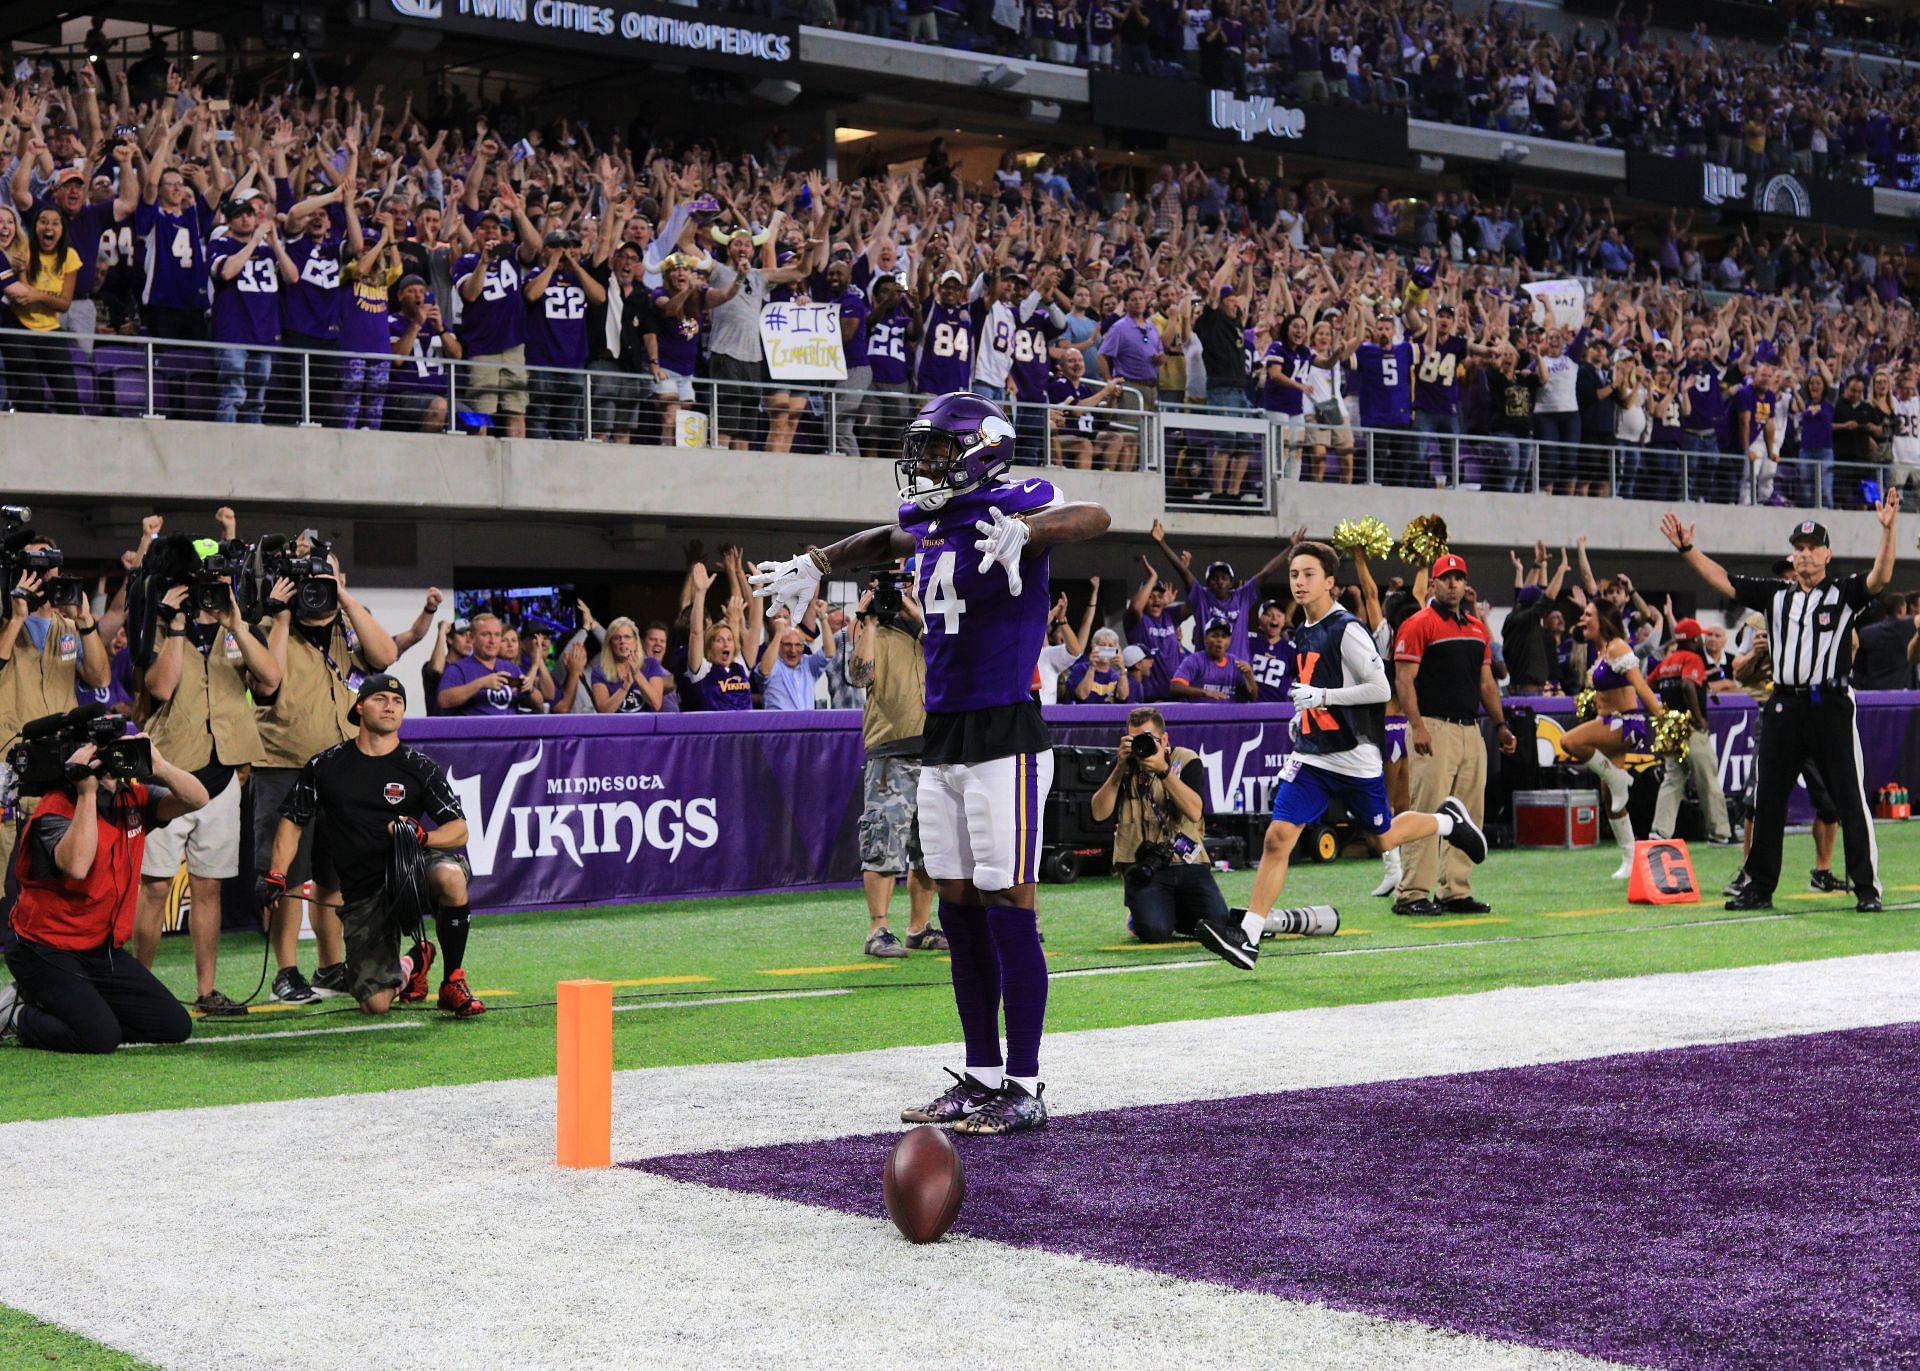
{"type": "Point", "coordinates": [432, 1223]}
{"type": "Point", "coordinates": [243, 1036]}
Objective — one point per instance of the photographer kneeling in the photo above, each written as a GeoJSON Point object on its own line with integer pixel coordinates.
{"type": "Point", "coordinates": [79, 874]}
{"type": "Point", "coordinates": [1155, 793]}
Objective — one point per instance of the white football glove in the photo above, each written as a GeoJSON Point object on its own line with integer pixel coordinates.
{"type": "Point", "coordinates": [1002, 541]}
{"type": "Point", "coordinates": [1308, 697]}
{"type": "Point", "coordinates": [792, 585]}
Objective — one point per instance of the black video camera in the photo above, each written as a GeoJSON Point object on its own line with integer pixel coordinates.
{"type": "Point", "coordinates": [278, 558]}
{"type": "Point", "coordinates": [1143, 745]}
{"type": "Point", "coordinates": [40, 757]}
{"type": "Point", "coordinates": [887, 584]}
{"type": "Point", "coordinates": [18, 559]}
{"type": "Point", "coordinates": [213, 582]}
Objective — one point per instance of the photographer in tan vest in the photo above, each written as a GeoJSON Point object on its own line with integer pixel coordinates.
{"type": "Point", "coordinates": [44, 653]}
{"type": "Point", "coordinates": [323, 650]}
{"type": "Point", "coordinates": [194, 700]}
{"type": "Point", "coordinates": [1155, 794]}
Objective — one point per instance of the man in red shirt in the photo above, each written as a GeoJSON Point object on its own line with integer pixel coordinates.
{"type": "Point", "coordinates": [79, 871]}
{"type": "Point", "coordinates": [1681, 683]}
{"type": "Point", "coordinates": [1443, 673]}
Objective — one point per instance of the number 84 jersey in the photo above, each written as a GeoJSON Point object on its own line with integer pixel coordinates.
{"type": "Point", "coordinates": [982, 641]}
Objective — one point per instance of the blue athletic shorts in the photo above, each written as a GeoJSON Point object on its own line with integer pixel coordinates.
{"type": "Point", "coordinates": [1305, 791]}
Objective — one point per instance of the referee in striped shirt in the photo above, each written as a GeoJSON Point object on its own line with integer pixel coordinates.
{"type": "Point", "coordinates": [1810, 715]}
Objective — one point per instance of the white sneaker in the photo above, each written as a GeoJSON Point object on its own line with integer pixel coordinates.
{"type": "Point", "coordinates": [1390, 873]}
{"type": "Point", "coordinates": [9, 1008]}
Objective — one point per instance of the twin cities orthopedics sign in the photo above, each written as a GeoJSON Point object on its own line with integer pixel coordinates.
{"type": "Point", "coordinates": [1714, 185]}
{"type": "Point", "coordinates": [1181, 109]}
{"type": "Point", "coordinates": [657, 33]}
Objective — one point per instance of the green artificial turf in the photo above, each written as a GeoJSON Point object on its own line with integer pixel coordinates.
{"type": "Point", "coordinates": [1557, 917]}
{"type": "Point", "coordinates": [25, 1342]}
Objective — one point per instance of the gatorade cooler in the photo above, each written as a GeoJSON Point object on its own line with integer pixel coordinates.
{"type": "Point", "coordinates": [1556, 818]}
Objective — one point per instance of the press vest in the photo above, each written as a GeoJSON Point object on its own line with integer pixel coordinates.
{"type": "Point", "coordinates": [1332, 728]}
{"type": "Point", "coordinates": [209, 711]}
{"type": "Point", "coordinates": [309, 715]}
{"type": "Point", "coordinates": [81, 915]}
{"type": "Point", "coordinates": [1138, 817]}
{"type": "Point", "coordinates": [37, 682]}
{"type": "Point", "coordinates": [896, 709]}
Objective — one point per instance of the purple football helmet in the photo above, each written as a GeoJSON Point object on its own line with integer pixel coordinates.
{"type": "Point", "coordinates": [957, 442]}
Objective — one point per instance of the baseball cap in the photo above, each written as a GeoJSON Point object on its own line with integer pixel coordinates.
{"type": "Point", "coordinates": [77, 174]}
{"type": "Point", "coordinates": [1808, 531]}
{"type": "Point", "coordinates": [1689, 628]}
{"type": "Point", "coordinates": [1266, 605]}
{"type": "Point", "coordinates": [410, 279]}
{"type": "Point", "coordinates": [1133, 655]}
{"type": "Point", "coordinates": [952, 275]}
{"type": "Point", "coordinates": [1447, 562]}
{"type": "Point", "coordinates": [461, 626]}
{"type": "Point", "coordinates": [378, 683]}
{"type": "Point", "coordinates": [1220, 623]}
{"type": "Point", "coordinates": [1212, 567]}
{"type": "Point", "coordinates": [1528, 594]}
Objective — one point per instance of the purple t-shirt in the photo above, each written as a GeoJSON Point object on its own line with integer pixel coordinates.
{"type": "Point", "coordinates": [363, 314]}
{"type": "Point", "coordinates": [494, 699]}
{"type": "Point", "coordinates": [1106, 681]}
{"type": "Point", "coordinates": [887, 345]}
{"type": "Point", "coordinates": [728, 687]}
{"type": "Point", "coordinates": [175, 247]}
{"type": "Point", "coordinates": [853, 305]}
{"type": "Point", "coordinates": [246, 309]}
{"type": "Point", "coordinates": [635, 701]}
{"type": "Point", "coordinates": [1437, 367]}
{"type": "Point", "coordinates": [1708, 403]}
{"type": "Point", "coordinates": [679, 339]}
{"type": "Point", "coordinates": [982, 641]}
{"type": "Point", "coordinates": [946, 350]}
{"type": "Point", "coordinates": [311, 305]}
{"type": "Point", "coordinates": [1203, 673]}
{"type": "Point", "coordinates": [495, 321]}
{"type": "Point", "coordinates": [557, 323]}
{"type": "Point", "coordinates": [1159, 634]}
{"type": "Point", "coordinates": [1237, 607]}
{"type": "Point", "coordinates": [88, 231]}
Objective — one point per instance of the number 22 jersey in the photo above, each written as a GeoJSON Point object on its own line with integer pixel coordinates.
{"type": "Point", "coordinates": [982, 641]}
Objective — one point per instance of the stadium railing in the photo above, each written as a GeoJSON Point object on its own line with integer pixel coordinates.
{"type": "Point", "coordinates": [1220, 460]}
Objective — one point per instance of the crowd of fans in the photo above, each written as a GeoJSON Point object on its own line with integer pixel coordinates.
{"type": "Point", "coordinates": [1759, 107]}
{"type": "Point", "coordinates": [588, 286]}
{"type": "Point", "coordinates": [1176, 633]}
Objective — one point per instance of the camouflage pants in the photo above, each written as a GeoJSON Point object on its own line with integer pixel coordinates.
{"type": "Point", "coordinates": [373, 931]}
{"type": "Point", "coordinates": [890, 815]}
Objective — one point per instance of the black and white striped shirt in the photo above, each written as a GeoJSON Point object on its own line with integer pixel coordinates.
{"type": "Point", "coordinates": [1810, 632]}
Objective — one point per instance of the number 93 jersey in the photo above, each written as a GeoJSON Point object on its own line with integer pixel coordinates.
{"type": "Point", "coordinates": [982, 641]}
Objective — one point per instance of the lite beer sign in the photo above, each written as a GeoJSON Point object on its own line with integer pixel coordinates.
{"type": "Point", "coordinates": [1779, 194]}
{"type": "Point", "coordinates": [1256, 117]}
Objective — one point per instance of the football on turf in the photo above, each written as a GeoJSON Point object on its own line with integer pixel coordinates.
{"type": "Point", "coordinates": [923, 1184]}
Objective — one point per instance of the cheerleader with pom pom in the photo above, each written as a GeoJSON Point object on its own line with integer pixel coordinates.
{"type": "Point", "coordinates": [1625, 707]}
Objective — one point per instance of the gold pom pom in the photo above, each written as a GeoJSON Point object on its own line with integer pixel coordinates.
{"type": "Point", "coordinates": [1370, 535]}
{"type": "Point", "coordinates": [1424, 540]}
{"type": "Point", "coordinates": [1585, 705]}
{"type": "Point", "coordinates": [1672, 733]}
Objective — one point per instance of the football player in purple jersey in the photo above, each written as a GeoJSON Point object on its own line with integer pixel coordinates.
{"type": "Point", "coordinates": [981, 543]}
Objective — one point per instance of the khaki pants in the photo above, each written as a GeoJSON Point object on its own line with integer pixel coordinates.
{"type": "Point", "coordinates": [1458, 767]}
{"type": "Point", "coordinates": [1704, 767]}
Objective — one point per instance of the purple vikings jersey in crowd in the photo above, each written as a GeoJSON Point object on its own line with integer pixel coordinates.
{"type": "Point", "coordinates": [557, 323]}
{"type": "Point", "coordinates": [496, 320]}
{"type": "Point", "coordinates": [1272, 667]}
{"type": "Point", "coordinates": [311, 304]}
{"type": "Point", "coordinates": [982, 641]}
{"type": "Point", "coordinates": [887, 346]}
{"type": "Point", "coordinates": [1386, 392]}
{"type": "Point", "coordinates": [246, 309]}
{"type": "Point", "coordinates": [175, 247]}
{"type": "Point", "coordinates": [946, 350]}
{"type": "Point", "coordinates": [1436, 388]}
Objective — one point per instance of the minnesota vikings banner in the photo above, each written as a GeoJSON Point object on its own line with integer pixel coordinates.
{"type": "Point", "coordinates": [608, 809]}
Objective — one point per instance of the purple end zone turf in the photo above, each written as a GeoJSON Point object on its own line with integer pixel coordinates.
{"type": "Point", "coordinates": [1749, 1204]}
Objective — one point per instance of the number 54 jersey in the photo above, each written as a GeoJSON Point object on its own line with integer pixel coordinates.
{"type": "Point", "coordinates": [982, 641]}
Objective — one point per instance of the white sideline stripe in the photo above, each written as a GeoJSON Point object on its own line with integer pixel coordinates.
{"type": "Point", "coordinates": [245, 1037]}
{"type": "Point", "coordinates": [730, 999]}
{"type": "Point", "coordinates": [554, 1265]}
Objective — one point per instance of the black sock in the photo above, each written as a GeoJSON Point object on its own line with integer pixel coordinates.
{"type": "Point", "coordinates": [451, 925]}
